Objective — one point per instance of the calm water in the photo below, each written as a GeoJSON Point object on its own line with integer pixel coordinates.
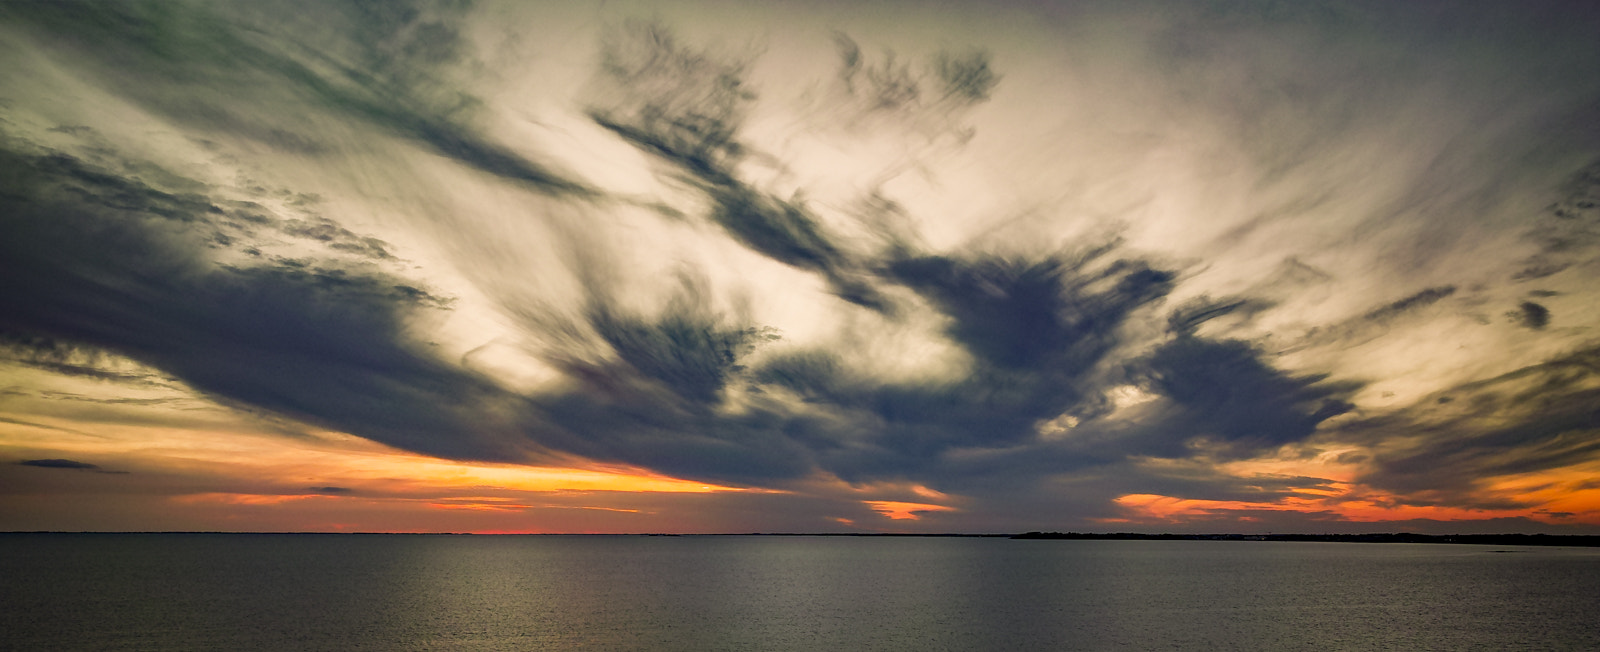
{"type": "Point", "coordinates": [335, 592]}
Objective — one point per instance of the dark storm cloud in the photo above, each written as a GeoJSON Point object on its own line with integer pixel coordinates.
{"type": "Point", "coordinates": [1210, 400]}
{"type": "Point", "coordinates": [106, 260]}
{"type": "Point", "coordinates": [684, 350]}
{"type": "Point", "coordinates": [1230, 402]}
{"type": "Point", "coordinates": [654, 402]}
{"type": "Point", "coordinates": [102, 261]}
{"type": "Point", "coordinates": [1038, 327]}
{"type": "Point", "coordinates": [1022, 313]}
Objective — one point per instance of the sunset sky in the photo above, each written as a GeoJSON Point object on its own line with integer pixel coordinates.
{"type": "Point", "coordinates": [297, 265]}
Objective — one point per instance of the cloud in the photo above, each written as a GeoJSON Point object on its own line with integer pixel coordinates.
{"type": "Point", "coordinates": [924, 99]}
{"type": "Point", "coordinates": [714, 320]}
{"type": "Point", "coordinates": [1531, 315]}
{"type": "Point", "coordinates": [1442, 449]}
{"type": "Point", "coordinates": [1037, 330]}
{"type": "Point", "coordinates": [58, 357]}
{"type": "Point", "coordinates": [967, 76]}
{"type": "Point", "coordinates": [389, 82]}
{"type": "Point", "coordinates": [331, 490]}
{"type": "Point", "coordinates": [686, 107]}
{"type": "Point", "coordinates": [1567, 233]}
{"type": "Point", "coordinates": [105, 261]}
{"type": "Point", "coordinates": [1186, 318]}
{"type": "Point", "coordinates": [1021, 313]}
{"type": "Point", "coordinates": [687, 350]}
{"type": "Point", "coordinates": [61, 464]}
{"type": "Point", "coordinates": [56, 463]}
{"type": "Point", "coordinates": [1227, 400]}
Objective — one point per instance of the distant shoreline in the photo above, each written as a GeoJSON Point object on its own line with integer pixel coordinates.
{"type": "Point", "coordinates": [1394, 537]}
{"type": "Point", "coordinates": [1580, 540]}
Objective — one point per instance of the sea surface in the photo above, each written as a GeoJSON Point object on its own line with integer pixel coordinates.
{"type": "Point", "coordinates": [435, 592]}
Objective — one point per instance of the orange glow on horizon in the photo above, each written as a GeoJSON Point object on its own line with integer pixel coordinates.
{"type": "Point", "coordinates": [482, 507]}
{"type": "Point", "coordinates": [1340, 507]}
{"type": "Point", "coordinates": [324, 458]}
{"type": "Point", "coordinates": [503, 505]}
{"type": "Point", "coordinates": [1567, 496]}
{"type": "Point", "coordinates": [900, 511]}
{"type": "Point", "coordinates": [217, 479]}
{"type": "Point", "coordinates": [246, 499]}
{"type": "Point", "coordinates": [239, 479]}
{"type": "Point", "coordinates": [434, 471]}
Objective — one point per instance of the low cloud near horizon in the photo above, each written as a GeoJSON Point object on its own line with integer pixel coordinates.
{"type": "Point", "coordinates": [1077, 266]}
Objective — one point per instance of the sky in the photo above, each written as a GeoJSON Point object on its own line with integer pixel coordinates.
{"type": "Point", "coordinates": [295, 265]}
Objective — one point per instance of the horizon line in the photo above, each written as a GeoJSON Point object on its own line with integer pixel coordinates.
{"type": "Point", "coordinates": [1367, 537]}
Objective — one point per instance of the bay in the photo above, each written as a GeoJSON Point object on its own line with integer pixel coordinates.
{"type": "Point", "coordinates": [449, 592]}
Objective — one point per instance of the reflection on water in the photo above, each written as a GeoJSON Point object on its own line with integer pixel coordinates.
{"type": "Point", "coordinates": [420, 592]}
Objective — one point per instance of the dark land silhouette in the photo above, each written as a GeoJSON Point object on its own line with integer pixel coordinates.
{"type": "Point", "coordinates": [1388, 537]}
